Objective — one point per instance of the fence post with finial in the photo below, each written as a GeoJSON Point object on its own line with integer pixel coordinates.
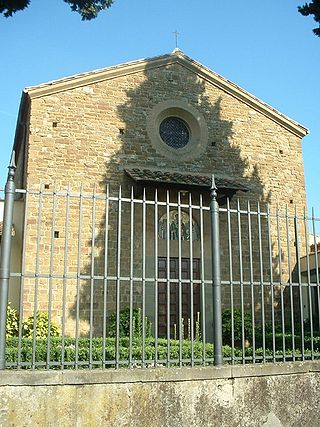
{"type": "Point", "coordinates": [216, 274]}
{"type": "Point", "coordinates": [5, 254]}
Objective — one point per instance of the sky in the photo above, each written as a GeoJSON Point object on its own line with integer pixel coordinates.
{"type": "Point", "coordinates": [267, 48]}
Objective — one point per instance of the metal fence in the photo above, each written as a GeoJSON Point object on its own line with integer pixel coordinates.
{"type": "Point", "coordinates": [144, 277]}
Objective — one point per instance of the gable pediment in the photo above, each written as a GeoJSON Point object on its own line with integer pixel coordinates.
{"type": "Point", "coordinates": [176, 57]}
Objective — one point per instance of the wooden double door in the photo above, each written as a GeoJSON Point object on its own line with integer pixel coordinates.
{"type": "Point", "coordinates": [173, 295]}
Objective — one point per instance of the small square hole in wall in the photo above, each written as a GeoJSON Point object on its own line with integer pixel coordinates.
{"type": "Point", "coordinates": [121, 131]}
{"type": "Point", "coordinates": [46, 186]}
{"type": "Point", "coordinates": [291, 201]}
{"type": "Point", "coordinates": [213, 144]}
{"type": "Point", "coordinates": [54, 124]}
{"type": "Point", "coordinates": [281, 151]}
{"type": "Point", "coordinates": [56, 234]}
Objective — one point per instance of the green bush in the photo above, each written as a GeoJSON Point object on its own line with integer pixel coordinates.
{"type": "Point", "coordinates": [100, 351]}
{"type": "Point", "coordinates": [124, 324]}
{"type": "Point", "coordinates": [96, 353]}
{"type": "Point", "coordinates": [42, 326]}
{"type": "Point", "coordinates": [12, 326]}
{"type": "Point", "coordinates": [238, 318]}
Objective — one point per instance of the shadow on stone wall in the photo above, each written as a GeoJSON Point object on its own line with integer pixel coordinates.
{"type": "Point", "coordinates": [222, 157]}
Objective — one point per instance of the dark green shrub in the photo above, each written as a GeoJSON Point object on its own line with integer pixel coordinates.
{"type": "Point", "coordinates": [40, 353]}
{"type": "Point", "coordinates": [124, 324]}
{"type": "Point", "coordinates": [105, 351]}
{"type": "Point", "coordinates": [238, 318]}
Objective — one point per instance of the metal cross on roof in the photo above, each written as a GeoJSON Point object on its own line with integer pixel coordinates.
{"type": "Point", "coordinates": [176, 34]}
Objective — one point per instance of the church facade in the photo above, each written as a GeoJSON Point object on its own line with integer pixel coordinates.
{"type": "Point", "coordinates": [130, 150]}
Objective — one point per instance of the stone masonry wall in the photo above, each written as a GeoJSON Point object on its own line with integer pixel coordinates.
{"type": "Point", "coordinates": [80, 130]}
{"type": "Point", "coordinates": [88, 135]}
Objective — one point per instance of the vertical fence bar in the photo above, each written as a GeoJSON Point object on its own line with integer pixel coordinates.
{"type": "Point", "coordinates": [144, 224]}
{"type": "Point", "coordinates": [105, 274]}
{"type": "Point", "coordinates": [241, 281]}
{"type": "Point", "coordinates": [297, 243]}
{"type": "Point", "coordinates": [306, 236]}
{"type": "Point", "coordinates": [156, 282]}
{"type": "Point", "coordinates": [261, 285]}
{"type": "Point", "coordinates": [271, 287]}
{"type": "Point", "coordinates": [181, 320]}
{"type": "Point", "coordinates": [78, 278]}
{"type": "Point", "coordinates": [53, 226]}
{"type": "Point", "coordinates": [131, 277]}
{"type": "Point", "coordinates": [168, 276]}
{"type": "Point", "coordinates": [192, 337]}
{"type": "Point", "coordinates": [203, 290]}
{"type": "Point", "coordinates": [23, 268]}
{"type": "Point", "coordinates": [290, 285]}
{"type": "Point", "coordinates": [216, 274]}
{"type": "Point", "coordinates": [5, 257]}
{"type": "Point", "coordinates": [36, 281]}
{"type": "Point", "coordinates": [251, 285]}
{"type": "Point", "coordinates": [118, 278]}
{"type": "Point", "coordinates": [283, 327]}
{"type": "Point", "coordinates": [92, 273]}
{"type": "Point", "coordinates": [65, 271]}
{"type": "Point", "coordinates": [230, 256]}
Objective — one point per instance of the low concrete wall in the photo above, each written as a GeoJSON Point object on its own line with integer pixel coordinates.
{"type": "Point", "coordinates": [263, 395]}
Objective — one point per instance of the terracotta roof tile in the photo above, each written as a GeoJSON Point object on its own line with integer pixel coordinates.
{"type": "Point", "coordinates": [178, 178]}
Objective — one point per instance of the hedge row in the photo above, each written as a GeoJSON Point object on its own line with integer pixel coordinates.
{"type": "Point", "coordinates": [97, 351]}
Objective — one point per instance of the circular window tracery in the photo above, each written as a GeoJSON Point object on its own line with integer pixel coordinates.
{"type": "Point", "coordinates": [177, 130]}
{"type": "Point", "coordinates": [174, 132]}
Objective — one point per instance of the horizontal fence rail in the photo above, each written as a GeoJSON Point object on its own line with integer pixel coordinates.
{"type": "Point", "coordinates": [125, 278]}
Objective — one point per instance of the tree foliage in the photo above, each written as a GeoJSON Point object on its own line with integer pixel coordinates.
{"type": "Point", "coordinates": [312, 8]}
{"type": "Point", "coordinates": [88, 9]}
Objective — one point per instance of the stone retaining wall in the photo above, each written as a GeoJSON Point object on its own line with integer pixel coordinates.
{"type": "Point", "coordinates": [264, 395]}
